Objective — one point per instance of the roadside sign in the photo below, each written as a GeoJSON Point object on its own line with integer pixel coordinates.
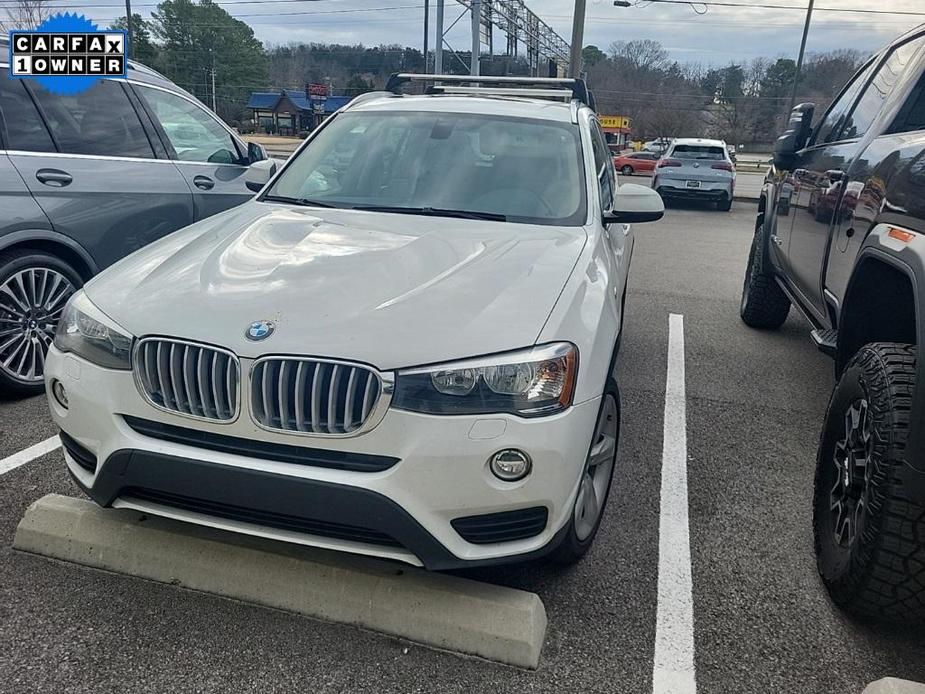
{"type": "Point", "coordinates": [316, 92]}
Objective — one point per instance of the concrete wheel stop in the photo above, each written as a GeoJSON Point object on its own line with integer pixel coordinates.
{"type": "Point", "coordinates": [447, 612]}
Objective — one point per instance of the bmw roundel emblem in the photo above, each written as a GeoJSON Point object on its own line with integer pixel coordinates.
{"type": "Point", "coordinates": [260, 330]}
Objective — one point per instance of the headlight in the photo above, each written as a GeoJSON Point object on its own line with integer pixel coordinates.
{"type": "Point", "coordinates": [530, 383]}
{"type": "Point", "coordinates": [89, 333]}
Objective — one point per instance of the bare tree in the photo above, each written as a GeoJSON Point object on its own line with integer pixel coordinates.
{"type": "Point", "coordinates": [24, 14]}
{"type": "Point", "coordinates": [642, 54]}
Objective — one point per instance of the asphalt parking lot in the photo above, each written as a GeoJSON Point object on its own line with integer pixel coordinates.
{"type": "Point", "coordinates": [762, 622]}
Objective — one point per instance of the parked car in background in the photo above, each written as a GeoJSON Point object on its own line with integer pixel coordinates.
{"type": "Point", "coordinates": [840, 234]}
{"type": "Point", "coordinates": [85, 180]}
{"type": "Point", "coordinates": [659, 146]}
{"type": "Point", "coordinates": [696, 169]}
{"type": "Point", "coordinates": [629, 164]}
{"type": "Point", "coordinates": [404, 347]}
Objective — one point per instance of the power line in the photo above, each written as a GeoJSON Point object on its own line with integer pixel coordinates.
{"type": "Point", "coordinates": [766, 6]}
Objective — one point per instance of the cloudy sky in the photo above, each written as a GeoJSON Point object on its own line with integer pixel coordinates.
{"type": "Point", "coordinates": [719, 36]}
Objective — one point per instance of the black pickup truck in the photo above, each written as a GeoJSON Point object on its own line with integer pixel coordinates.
{"type": "Point", "coordinates": [840, 235]}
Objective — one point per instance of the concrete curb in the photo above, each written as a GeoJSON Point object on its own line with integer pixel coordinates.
{"type": "Point", "coordinates": [891, 685]}
{"type": "Point", "coordinates": [457, 614]}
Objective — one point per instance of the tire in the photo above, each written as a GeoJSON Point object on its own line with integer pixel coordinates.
{"type": "Point", "coordinates": [580, 533]}
{"type": "Point", "coordinates": [724, 205]}
{"type": "Point", "coordinates": [627, 170]}
{"type": "Point", "coordinates": [764, 304]}
{"type": "Point", "coordinates": [22, 354]}
{"type": "Point", "coordinates": [874, 567]}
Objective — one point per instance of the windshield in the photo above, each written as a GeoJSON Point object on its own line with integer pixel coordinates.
{"type": "Point", "coordinates": [482, 166]}
{"type": "Point", "coordinates": [698, 152]}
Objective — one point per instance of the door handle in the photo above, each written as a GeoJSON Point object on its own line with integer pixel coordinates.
{"type": "Point", "coordinates": [54, 177]}
{"type": "Point", "coordinates": [203, 182]}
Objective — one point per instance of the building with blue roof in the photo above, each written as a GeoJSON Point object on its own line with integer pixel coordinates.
{"type": "Point", "coordinates": [289, 111]}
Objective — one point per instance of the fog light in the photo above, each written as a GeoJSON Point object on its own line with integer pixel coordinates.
{"type": "Point", "coordinates": [510, 465]}
{"type": "Point", "coordinates": [57, 388]}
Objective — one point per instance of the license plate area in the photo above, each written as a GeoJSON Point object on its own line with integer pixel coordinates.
{"type": "Point", "coordinates": [693, 184]}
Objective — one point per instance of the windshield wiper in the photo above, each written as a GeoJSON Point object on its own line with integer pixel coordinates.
{"type": "Point", "coordinates": [434, 212]}
{"type": "Point", "coordinates": [305, 202]}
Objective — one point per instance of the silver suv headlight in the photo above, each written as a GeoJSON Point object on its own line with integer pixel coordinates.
{"type": "Point", "coordinates": [89, 333]}
{"type": "Point", "coordinates": [529, 383]}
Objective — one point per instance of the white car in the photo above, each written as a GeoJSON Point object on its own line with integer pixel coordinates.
{"type": "Point", "coordinates": [697, 169]}
{"type": "Point", "coordinates": [406, 352]}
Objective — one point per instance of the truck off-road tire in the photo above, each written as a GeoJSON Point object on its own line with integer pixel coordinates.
{"type": "Point", "coordinates": [869, 531]}
{"type": "Point", "coordinates": [594, 488]}
{"type": "Point", "coordinates": [764, 304]}
{"type": "Point", "coordinates": [34, 287]}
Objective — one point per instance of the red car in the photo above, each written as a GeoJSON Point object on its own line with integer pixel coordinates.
{"type": "Point", "coordinates": [637, 162]}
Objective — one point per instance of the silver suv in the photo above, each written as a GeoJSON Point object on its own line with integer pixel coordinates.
{"type": "Point", "coordinates": [696, 169]}
{"type": "Point", "coordinates": [88, 178]}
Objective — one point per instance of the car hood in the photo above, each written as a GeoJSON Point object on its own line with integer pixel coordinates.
{"type": "Point", "coordinates": [391, 290]}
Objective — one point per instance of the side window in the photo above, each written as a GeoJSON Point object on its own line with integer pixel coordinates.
{"type": "Point", "coordinates": [879, 89]}
{"type": "Point", "coordinates": [100, 121]}
{"type": "Point", "coordinates": [23, 127]}
{"type": "Point", "coordinates": [193, 132]}
{"type": "Point", "coordinates": [603, 164]}
{"type": "Point", "coordinates": [829, 129]}
{"type": "Point", "coordinates": [912, 115]}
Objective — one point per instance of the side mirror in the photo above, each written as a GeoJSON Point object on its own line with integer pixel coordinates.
{"type": "Point", "coordinates": [256, 152]}
{"type": "Point", "coordinates": [635, 204]}
{"type": "Point", "coordinates": [799, 129]}
{"type": "Point", "coordinates": [258, 173]}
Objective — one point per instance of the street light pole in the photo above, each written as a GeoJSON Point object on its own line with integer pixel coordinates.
{"type": "Point", "coordinates": [426, 32]}
{"type": "Point", "coordinates": [796, 78]}
{"type": "Point", "coordinates": [578, 37]}
{"type": "Point", "coordinates": [438, 48]}
{"type": "Point", "coordinates": [128, 24]}
{"type": "Point", "coordinates": [476, 6]}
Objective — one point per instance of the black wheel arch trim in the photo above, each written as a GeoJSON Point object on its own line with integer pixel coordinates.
{"type": "Point", "coordinates": [25, 236]}
{"type": "Point", "coordinates": [912, 264]}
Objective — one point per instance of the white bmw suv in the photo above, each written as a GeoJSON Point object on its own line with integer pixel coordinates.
{"type": "Point", "coordinates": [402, 347]}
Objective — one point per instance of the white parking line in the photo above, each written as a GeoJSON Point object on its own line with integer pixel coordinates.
{"type": "Point", "coordinates": [31, 453]}
{"type": "Point", "coordinates": [673, 670]}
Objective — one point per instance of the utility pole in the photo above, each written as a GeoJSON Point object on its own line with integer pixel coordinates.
{"type": "Point", "coordinates": [128, 24]}
{"type": "Point", "coordinates": [438, 49]}
{"type": "Point", "coordinates": [796, 78]}
{"type": "Point", "coordinates": [214, 110]}
{"type": "Point", "coordinates": [476, 6]}
{"type": "Point", "coordinates": [426, 32]}
{"type": "Point", "coordinates": [578, 37]}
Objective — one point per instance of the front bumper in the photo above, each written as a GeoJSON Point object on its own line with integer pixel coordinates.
{"type": "Point", "coordinates": [404, 511]}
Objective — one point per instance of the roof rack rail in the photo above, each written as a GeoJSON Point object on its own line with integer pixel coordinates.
{"type": "Point", "coordinates": [534, 87]}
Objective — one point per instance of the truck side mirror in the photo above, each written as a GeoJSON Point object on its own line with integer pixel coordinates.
{"type": "Point", "coordinates": [798, 132]}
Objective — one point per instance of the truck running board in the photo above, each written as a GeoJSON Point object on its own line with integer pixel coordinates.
{"type": "Point", "coordinates": [826, 341]}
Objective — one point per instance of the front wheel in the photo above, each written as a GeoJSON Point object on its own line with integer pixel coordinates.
{"type": "Point", "coordinates": [594, 488]}
{"type": "Point", "coordinates": [869, 531]}
{"type": "Point", "coordinates": [764, 304]}
{"type": "Point", "coordinates": [627, 170]}
{"type": "Point", "coordinates": [34, 287]}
